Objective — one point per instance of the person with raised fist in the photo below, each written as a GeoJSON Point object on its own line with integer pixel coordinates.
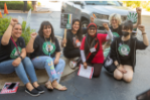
{"type": "Point", "coordinates": [123, 51]}
{"type": "Point", "coordinates": [13, 58]}
{"type": "Point", "coordinates": [115, 22]}
{"type": "Point", "coordinates": [91, 47]}
{"type": "Point", "coordinates": [45, 53]}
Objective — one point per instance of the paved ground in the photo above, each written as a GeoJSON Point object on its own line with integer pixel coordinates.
{"type": "Point", "coordinates": [103, 88]}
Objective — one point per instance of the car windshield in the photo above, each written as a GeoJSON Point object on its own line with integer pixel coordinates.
{"type": "Point", "coordinates": [112, 3]}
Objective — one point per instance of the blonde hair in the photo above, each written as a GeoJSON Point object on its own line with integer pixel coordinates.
{"type": "Point", "coordinates": [115, 16]}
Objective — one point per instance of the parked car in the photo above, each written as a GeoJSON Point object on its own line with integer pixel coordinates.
{"type": "Point", "coordinates": [83, 10]}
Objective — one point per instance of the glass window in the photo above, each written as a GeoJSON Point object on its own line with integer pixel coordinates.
{"type": "Point", "coordinates": [112, 3]}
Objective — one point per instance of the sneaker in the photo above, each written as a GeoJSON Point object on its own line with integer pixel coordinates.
{"type": "Point", "coordinates": [34, 92]}
{"type": "Point", "coordinates": [73, 64]}
{"type": "Point", "coordinates": [40, 89]}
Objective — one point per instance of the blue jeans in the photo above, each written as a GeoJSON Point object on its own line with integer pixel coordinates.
{"type": "Point", "coordinates": [24, 67]}
{"type": "Point", "coordinates": [46, 62]}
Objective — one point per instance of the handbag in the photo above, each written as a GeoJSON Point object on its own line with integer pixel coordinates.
{"type": "Point", "coordinates": [109, 64]}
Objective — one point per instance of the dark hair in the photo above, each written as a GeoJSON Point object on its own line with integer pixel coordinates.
{"type": "Point", "coordinates": [127, 25]}
{"type": "Point", "coordinates": [47, 23]}
{"type": "Point", "coordinates": [79, 32]}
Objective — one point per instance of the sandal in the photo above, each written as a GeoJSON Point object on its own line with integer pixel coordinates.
{"type": "Point", "coordinates": [60, 87]}
{"type": "Point", "coordinates": [48, 85]}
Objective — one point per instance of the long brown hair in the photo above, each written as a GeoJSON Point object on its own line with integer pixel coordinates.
{"type": "Point", "coordinates": [79, 32]}
{"type": "Point", "coordinates": [47, 23]}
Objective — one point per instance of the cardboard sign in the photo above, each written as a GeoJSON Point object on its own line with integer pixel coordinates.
{"type": "Point", "coordinates": [132, 16]}
{"type": "Point", "coordinates": [66, 21]}
{"type": "Point", "coordinates": [5, 89]}
{"type": "Point", "coordinates": [87, 73]}
{"type": "Point", "coordinates": [20, 19]}
{"type": "Point", "coordinates": [28, 19]}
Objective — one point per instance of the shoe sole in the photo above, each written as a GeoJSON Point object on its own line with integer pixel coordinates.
{"type": "Point", "coordinates": [41, 92]}
{"type": "Point", "coordinates": [32, 94]}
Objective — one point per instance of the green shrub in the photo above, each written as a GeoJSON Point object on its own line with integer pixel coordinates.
{"type": "Point", "coordinates": [14, 5]}
{"type": "Point", "coordinates": [148, 8]}
{"type": "Point", "coordinates": [132, 4]}
{"type": "Point", "coordinates": [4, 23]}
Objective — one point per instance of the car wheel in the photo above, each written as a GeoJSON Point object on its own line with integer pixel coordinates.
{"type": "Point", "coordinates": [84, 24]}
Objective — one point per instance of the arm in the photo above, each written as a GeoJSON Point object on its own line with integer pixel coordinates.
{"type": "Point", "coordinates": [7, 34]}
{"type": "Point", "coordinates": [110, 35]}
{"type": "Point", "coordinates": [113, 54]}
{"type": "Point", "coordinates": [58, 52]}
{"type": "Point", "coordinates": [138, 10]}
{"type": "Point", "coordinates": [23, 53]}
{"type": "Point", "coordinates": [82, 56]}
{"type": "Point", "coordinates": [17, 61]}
{"type": "Point", "coordinates": [145, 43]}
{"type": "Point", "coordinates": [57, 56]}
{"type": "Point", "coordinates": [145, 39]}
{"type": "Point", "coordinates": [29, 47]}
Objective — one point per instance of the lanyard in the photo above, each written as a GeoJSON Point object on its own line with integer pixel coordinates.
{"type": "Point", "coordinates": [90, 52]}
{"type": "Point", "coordinates": [15, 45]}
{"type": "Point", "coordinates": [49, 47]}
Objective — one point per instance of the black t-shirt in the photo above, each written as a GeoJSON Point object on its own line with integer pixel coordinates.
{"type": "Point", "coordinates": [41, 47]}
{"type": "Point", "coordinates": [125, 52]}
{"type": "Point", "coordinates": [71, 38]}
{"type": "Point", "coordinates": [9, 51]}
{"type": "Point", "coordinates": [117, 31]}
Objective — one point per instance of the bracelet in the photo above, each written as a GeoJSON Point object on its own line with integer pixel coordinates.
{"type": "Point", "coordinates": [21, 57]}
{"type": "Point", "coordinates": [143, 33]}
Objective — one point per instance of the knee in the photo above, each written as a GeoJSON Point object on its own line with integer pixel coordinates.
{"type": "Point", "coordinates": [27, 61]}
{"type": "Point", "coordinates": [48, 60]}
{"type": "Point", "coordinates": [127, 79]}
{"type": "Point", "coordinates": [118, 75]}
{"type": "Point", "coordinates": [19, 66]}
{"type": "Point", "coordinates": [62, 62]}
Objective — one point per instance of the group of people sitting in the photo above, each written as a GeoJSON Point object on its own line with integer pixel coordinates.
{"type": "Point", "coordinates": [44, 51]}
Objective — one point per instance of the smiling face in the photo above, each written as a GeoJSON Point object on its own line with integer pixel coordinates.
{"type": "Point", "coordinates": [17, 31]}
{"type": "Point", "coordinates": [92, 31]}
{"type": "Point", "coordinates": [47, 31]}
{"type": "Point", "coordinates": [114, 23]}
{"type": "Point", "coordinates": [76, 26]}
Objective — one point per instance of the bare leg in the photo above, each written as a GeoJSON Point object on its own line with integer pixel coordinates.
{"type": "Point", "coordinates": [129, 75]}
{"type": "Point", "coordinates": [118, 74]}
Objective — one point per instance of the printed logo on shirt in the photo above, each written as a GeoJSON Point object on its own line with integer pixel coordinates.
{"type": "Point", "coordinates": [76, 42]}
{"type": "Point", "coordinates": [48, 46]}
{"type": "Point", "coordinates": [124, 50]}
{"type": "Point", "coordinates": [115, 34]}
{"type": "Point", "coordinates": [14, 54]}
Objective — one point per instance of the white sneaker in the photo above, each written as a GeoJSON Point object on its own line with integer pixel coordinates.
{"type": "Point", "coordinates": [73, 64]}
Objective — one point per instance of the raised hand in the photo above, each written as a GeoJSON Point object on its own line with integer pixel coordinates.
{"type": "Point", "coordinates": [64, 41]}
{"type": "Point", "coordinates": [106, 26]}
{"type": "Point", "coordinates": [13, 21]}
{"type": "Point", "coordinates": [92, 19]}
{"type": "Point", "coordinates": [33, 35]}
{"type": "Point", "coordinates": [141, 28]}
{"type": "Point", "coordinates": [138, 10]}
